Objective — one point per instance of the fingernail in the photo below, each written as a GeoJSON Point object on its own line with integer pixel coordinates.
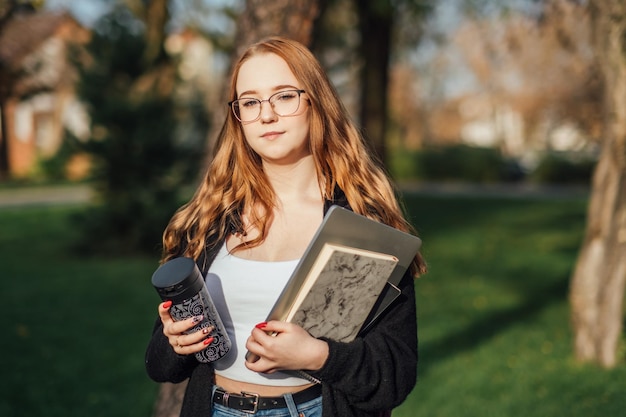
{"type": "Point", "coordinates": [209, 340]}
{"type": "Point", "coordinates": [167, 304]}
{"type": "Point", "coordinates": [261, 325]}
{"type": "Point", "coordinates": [205, 330]}
{"type": "Point", "coordinates": [198, 319]}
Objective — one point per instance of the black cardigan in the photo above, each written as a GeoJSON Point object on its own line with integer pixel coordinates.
{"type": "Point", "coordinates": [365, 377]}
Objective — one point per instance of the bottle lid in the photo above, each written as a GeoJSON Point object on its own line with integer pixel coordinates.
{"type": "Point", "coordinates": [177, 279]}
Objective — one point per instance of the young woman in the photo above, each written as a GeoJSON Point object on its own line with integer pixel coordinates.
{"type": "Point", "coordinates": [286, 153]}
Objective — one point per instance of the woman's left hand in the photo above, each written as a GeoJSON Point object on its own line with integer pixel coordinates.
{"type": "Point", "coordinates": [285, 346]}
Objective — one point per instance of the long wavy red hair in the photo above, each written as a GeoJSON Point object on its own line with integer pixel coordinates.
{"type": "Point", "coordinates": [235, 182]}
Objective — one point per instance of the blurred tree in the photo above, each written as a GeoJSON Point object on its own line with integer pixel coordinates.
{"type": "Point", "coordinates": [139, 166]}
{"type": "Point", "coordinates": [336, 43]}
{"type": "Point", "coordinates": [376, 23]}
{"type": "Point", "coordinates": [155, 15]}
{"type": "Point", "coordinates": [357, 43]}
{"type": "Point", "coordinates": [375, 27]}
{"type": "Point", "coordinates": [504, 51]}
{"type": "Point", "coordinates": [598, 282]}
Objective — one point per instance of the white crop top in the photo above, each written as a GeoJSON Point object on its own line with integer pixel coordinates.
{"type": "Point", "coordinates": [244, 292]}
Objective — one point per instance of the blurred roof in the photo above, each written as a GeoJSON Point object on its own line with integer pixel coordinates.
{"type": "Point", "coordinates": [32, 51]}
{"type": "Point", "coordinates": [24, 32]}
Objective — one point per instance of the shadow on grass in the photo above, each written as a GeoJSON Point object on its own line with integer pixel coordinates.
{"type": "Point", "coordinates": [437, 215]}
{"type": "Point", "coordinates": [485, 328]}
{"type": "Point", "coordinates": [440, 214]}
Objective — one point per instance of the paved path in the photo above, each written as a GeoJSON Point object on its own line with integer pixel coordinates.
{"type": "Point", "coordinates": [80, 194]}
{"type": "Point", "coordinates": [506, 190]}
{"type": "Point", "coordinates": [48, 195]}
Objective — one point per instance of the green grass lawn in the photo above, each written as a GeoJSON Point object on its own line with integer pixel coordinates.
{"type": "Point", "coordinates": [74, 328]}
{"type": "Point", "coordinates": [495, 338]}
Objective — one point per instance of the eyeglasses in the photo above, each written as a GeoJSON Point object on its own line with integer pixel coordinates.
{"type": "Point", "coordinates": [284, 103]}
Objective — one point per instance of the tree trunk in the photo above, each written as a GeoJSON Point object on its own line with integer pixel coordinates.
{"type": "Point", "coordinates": [156, 17]}
{"type": "Point", "coordinates": [375, 24]}
{"type": "Point", "coordinates": [5, 168]}
{"type": "Point", "coordinates": [169, 400]}
{"type": "Point", "coordinates": [597, 287]}
{"type": "Point", "coordinates": [293, 19]}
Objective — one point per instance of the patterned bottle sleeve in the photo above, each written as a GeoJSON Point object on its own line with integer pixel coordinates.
{"type": "Point", "coordinates": [201, 304]}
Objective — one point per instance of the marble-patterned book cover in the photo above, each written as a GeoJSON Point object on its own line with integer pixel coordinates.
{"type": "Point", "coordinates": [340, 291]}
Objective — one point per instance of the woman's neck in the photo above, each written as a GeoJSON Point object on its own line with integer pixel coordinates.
{"type": "Point", "coordinates": [296, 215]}
{"type": "Point", "coordinates": [295, 181]}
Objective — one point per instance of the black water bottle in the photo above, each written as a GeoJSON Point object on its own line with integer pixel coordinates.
{"type": "Point", "coordinates": [179, 280]}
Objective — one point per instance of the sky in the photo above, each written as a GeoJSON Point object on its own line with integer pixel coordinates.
{"type": "Point", "coordinates": [87, 12]}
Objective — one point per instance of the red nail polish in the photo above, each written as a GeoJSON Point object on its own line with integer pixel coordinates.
{"type": "Point", "coordinates": [209, 340]}
{"type": "Point", "coordinates": [167, 304]}
{"type": "Point", "coordinates": [261, 325]}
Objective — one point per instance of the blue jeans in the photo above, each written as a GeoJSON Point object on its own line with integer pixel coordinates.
{"type": "Point", "coordinates": [311, 408]}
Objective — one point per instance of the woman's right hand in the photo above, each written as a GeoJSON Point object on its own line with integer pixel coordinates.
{"type": "Point", "coordinates": [174, 331]}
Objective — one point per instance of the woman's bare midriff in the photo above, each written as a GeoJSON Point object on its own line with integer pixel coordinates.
{"type": "Point", "coordinates": [231, 385]}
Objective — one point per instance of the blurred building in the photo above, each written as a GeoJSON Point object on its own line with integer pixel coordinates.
{"type": "Point", "coordinates": [37, 81]}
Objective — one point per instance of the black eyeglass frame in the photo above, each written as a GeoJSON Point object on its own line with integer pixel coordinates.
{"type": "Point", "coordinates": [232, 102]}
